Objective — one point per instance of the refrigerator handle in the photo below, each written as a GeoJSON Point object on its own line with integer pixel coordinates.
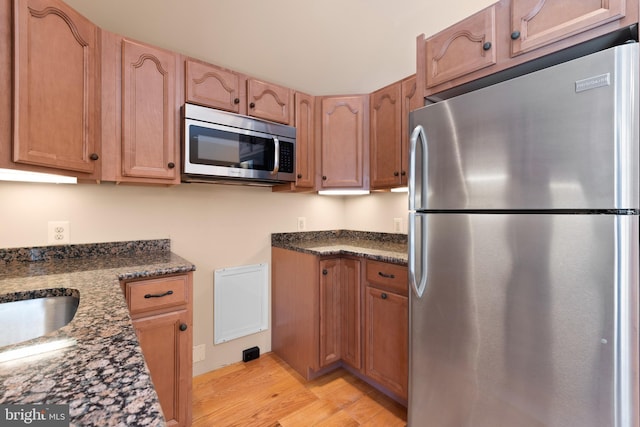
{"type": "Point", "coordinates": [418, 284]}
{"type": "Point", "coordinates": [417, 134]}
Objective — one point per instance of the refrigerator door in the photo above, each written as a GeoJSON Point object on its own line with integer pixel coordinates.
{"type": "Point", "coordinates": [565, 137]}
{"type": "Point", "coordinates": [526, 320]}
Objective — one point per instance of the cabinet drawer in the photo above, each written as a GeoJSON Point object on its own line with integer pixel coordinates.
{"type": "Point", "coordinates": [153, 294]}
{"type": "Point", "coordinates": [387, 275]}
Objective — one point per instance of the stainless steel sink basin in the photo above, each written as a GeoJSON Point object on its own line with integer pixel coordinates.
{"type": "Point", "coordinates": [32, 318]}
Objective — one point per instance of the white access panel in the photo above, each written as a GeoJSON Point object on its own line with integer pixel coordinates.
{"type": "Point", "coordinates": [241, 302]}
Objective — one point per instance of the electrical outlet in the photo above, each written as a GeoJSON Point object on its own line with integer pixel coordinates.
{"type": "Point", "coordinates": [198, 353]}
{"type": "Point", "coordinates": [397, 225]}
{"type": "Point", "coordinates": [302, 223]}
{"type": "Point", "coordinates": [58, 233]}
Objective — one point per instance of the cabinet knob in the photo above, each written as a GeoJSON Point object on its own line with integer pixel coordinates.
{"type": "Point", "coordinates": [299, 175]}
{"type": "Point", "coordinates": [403, 173]}
{"type": "Point", "coordinates": [183, 327]}
{"type": "Point", "coordinates": [383, 295]}
{"type": "Point", "coordinates": [515, 35]}
{"type": "Point", "coordinates": [324, 272]}
{"type": "Point", "coordinates": [396, 173]}
{"type": "Point", "coordinates": [486, 46]}
{"type": "Point", "coordinates": [252, 105]}
{"type": "Point", "coordinates": [236, 100]}
{"type": "Point", "coordinates": [171, 165]}
{"type": "Point", "coordinates": [94, 156]}
{"type": "Point", "coordinates": [324, 178]}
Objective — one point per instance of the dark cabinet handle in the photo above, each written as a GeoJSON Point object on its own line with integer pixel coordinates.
{"type": "Point", "coordinates": [324, 272]}
{"type": "Point", "coordinates": [158, 295]}
{"type": "Point", "coordinates": [171, 165]}
{"type": "Point", "coordinates": [183, 327]}
{"type": "Point", "coordinates": [403, 173]}
{"type": "Point", "coordinates": [515, 35]}
{"type": "Point", "coordinates": [383, 295]}
{"type": "Point", "coordinates": [486, 46]}
{"type": "Point", "coordinates": [236, 101]}
{"type": "Point", "coordinates": [252, 105]}
{"type": "Point", "coordinates": [299, 175]}
{"type": "Point", "coordinates": [396, 173]}
{"type": "Point", "coordinates": [324, 178]}
{"type": "Point", "coordinates": [386, 276]}
{"type": "Point", "coordinates": [94, 156]}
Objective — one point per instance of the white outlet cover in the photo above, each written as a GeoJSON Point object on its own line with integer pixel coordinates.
{"type": "Point", "coordinates": [58, 233]}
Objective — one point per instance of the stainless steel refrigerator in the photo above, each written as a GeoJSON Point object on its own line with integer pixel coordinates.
{"type": "Point", "coordinates": [523, 250]}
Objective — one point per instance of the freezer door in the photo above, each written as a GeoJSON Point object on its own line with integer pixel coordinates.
{"type": "Point", "coordinates": [565, 137]}
{"type": "Point", "coordinates": [526, 320]}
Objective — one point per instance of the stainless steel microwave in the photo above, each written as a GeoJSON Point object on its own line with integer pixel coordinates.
{"type": "Point", "coordinates": [226, 147]}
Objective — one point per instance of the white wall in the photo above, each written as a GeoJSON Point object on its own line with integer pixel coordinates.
{"type": "Point", "coordinates": [326, 47]}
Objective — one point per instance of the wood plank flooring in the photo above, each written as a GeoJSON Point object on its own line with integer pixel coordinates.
{"type": "Point", "coordinates": [267, 392]}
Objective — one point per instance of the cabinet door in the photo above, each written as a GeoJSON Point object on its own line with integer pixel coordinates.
{"type": "Point", "coordinates": [214, 87]}
{"type": "Point", "coordinates": [386, 339]}
{"type": "Point", "coordinates": [351, 337]}
{"type": "Point", "coordinates": [166, 350]}
{"type": "Point", "coordinates": [305, 146]}
{"type": "Point", "coordinates": [462, 48]}
{"type": "Point", "coordinates": [149, 113]}
{"type": "Point", "coordinates": [269, 101]}
{"type": "Point", "coordinates": [411, 100]}
{"type": "Point", "coordinates": [385, 144]}
{"type": "Point", "coordinates": [343, 138]}
{"type": "Point", "coordinates": [536, 23]}
{"type": "Point", "coordinates": [330, 316]}
{"type": "Point", "coordinates": [55, 87]}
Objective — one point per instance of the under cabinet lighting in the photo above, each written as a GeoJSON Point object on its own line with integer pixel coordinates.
{"type": "Point", "coordinates": [345, 192]}
{"type": "Point", "coordinates": [400, 190]}
{"type": "Point", "coordinates": [25, 176]}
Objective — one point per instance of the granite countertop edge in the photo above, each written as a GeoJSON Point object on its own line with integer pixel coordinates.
{"type": "Point", "coordinates": [97, 366]}
{"type": "Point", "coordinates": [385, 247]}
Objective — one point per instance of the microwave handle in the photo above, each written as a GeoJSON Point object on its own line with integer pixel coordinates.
{"type": "Point", "coordinates": [276, 160]}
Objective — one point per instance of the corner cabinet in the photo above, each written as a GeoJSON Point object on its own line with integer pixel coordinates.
{"type": "Point", "coordinates": [315, 311]}
{"type": "Point", "coordinates": [344, 311]}
{"type": "Point", "coordinates": [161, 309]}
{"type": "Point", "coordinates": [344, 136]}
{"type": "Point", "coordinates": [55, 91]}
{"type": "Point", "coordinates": [141, 110]}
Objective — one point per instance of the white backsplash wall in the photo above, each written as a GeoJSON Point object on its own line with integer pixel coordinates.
{"type": "Point", "coordinates": [213, 226]}
{"type": "Point", "coordinates": [376, 212]}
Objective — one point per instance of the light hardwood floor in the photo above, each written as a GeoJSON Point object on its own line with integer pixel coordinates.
{"type": "Point", "coordinates": [267, 392]}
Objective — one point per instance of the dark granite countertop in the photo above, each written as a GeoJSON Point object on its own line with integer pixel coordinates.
{"type": "Point", "coordinates": [97, 367]}
{"type": "Point", "coordinates": [385, 247]}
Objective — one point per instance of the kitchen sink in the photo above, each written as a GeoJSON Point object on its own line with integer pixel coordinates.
{"type": "Point", "coordinates": [32, 318]}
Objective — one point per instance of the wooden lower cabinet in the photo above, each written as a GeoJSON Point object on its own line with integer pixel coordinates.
{"type": "Point", "coordinates": [161, 309]}
{"type": "Point", "coordinates": [341, 311]}
{"type": "Point", "coordinates": [386, 325]}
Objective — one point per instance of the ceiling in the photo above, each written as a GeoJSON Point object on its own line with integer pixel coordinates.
{"type": "Point", "coordinates": [327, 47]}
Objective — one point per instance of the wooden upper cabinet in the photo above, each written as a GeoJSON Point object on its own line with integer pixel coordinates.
{"type": "Point", "coordinates": [536, 23]}
{"type": "Point", "coordinates": [55, 88]}
{"type": "Point", "coordinates": [305, 141]}
{"type": "Point", "coordinates": [386, 131]}
{"type": "Point", "coordinates": [389, 143]}
{"type": "Point", "coordinates": [141, 97]}
{"type": "Point", "coordinates": [412, 99]}
{"type": "Point", "coordinates": [269, 101]}
{"type": "Point", "coordinates": [214, 86]}
{"type": "Point", "coordinates": [344, 130]}
{"type": "Point", "coordinates": [462, 48]}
